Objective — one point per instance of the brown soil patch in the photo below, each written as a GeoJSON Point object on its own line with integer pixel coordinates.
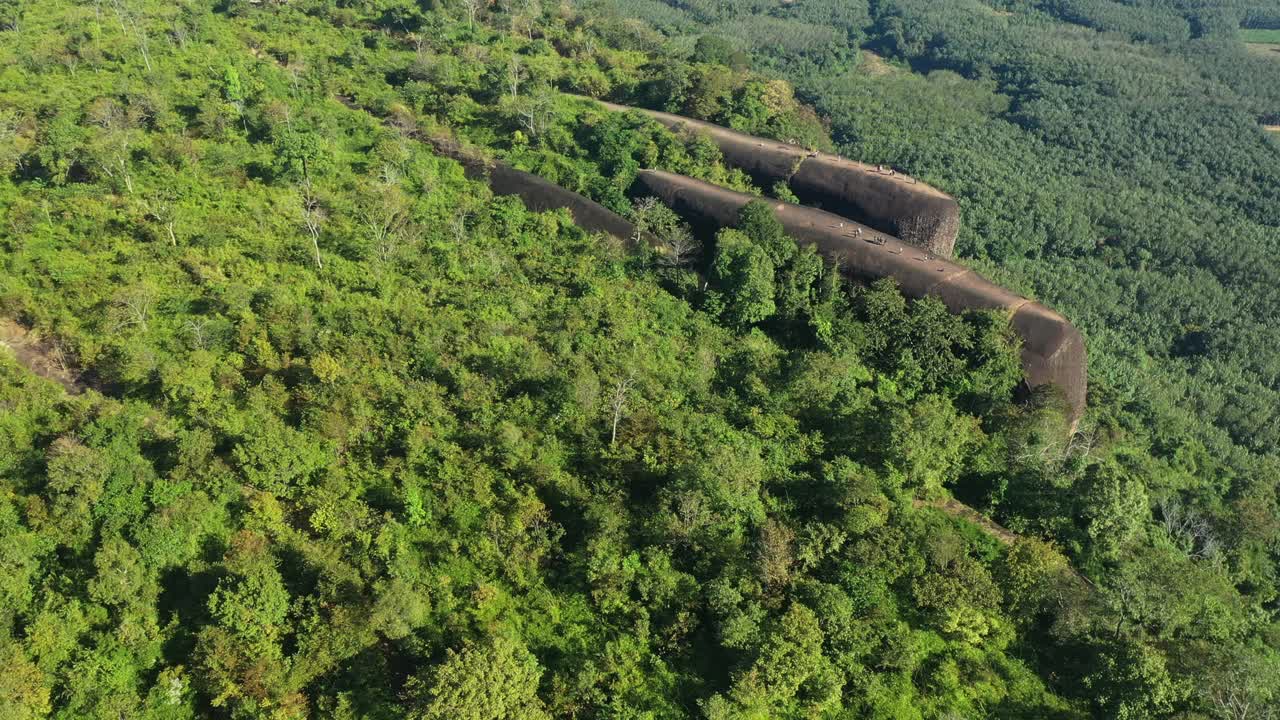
{"type": "Point", "coordinates": [1271, 128]}
{"type": "Point", "coordinates": [875, 65]}
{"type": "Point", "coordinates": [1271, 50]}
{"type": "Point", "coordinates": [42, 357]}
{"type": "Point", "coordinates": [957, 509]}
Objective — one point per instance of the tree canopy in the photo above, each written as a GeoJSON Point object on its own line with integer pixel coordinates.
{"type": "Point", "coordinates": [351, 437]}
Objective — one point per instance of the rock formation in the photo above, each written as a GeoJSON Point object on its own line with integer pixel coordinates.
{"type": "Point", "coordinates": [1053, 351]}
{"type": "Point", "coordinates": [876, 195]}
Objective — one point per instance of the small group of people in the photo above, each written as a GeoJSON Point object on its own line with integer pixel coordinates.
{"type": "Point", "coordinates": [881, 169]}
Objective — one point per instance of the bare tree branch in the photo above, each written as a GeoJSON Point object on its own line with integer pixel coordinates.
{"type": "Point", "coordinates": [133, 307]}
{"type": "Point", "coordinates": [164, 211]}
{"type": "Point", "coordinates": [313, 217]}
{"type": "Point", "coordinates": [617, 404]}
{"type": "Point", "coordinates": [473, 8]}
{"type": "Point", "coordinates": [680, 246]}
{"type": "Point", "coordinates": [386, 215]}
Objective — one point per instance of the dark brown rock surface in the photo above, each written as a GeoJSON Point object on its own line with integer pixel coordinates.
{"type": "Point", "coordinates": [1053, 351]}
{"type": "Point", "coordinates": [880, 197]}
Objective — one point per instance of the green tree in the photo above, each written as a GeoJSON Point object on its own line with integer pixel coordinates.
{"type": "Point", "coordinates": [59, 145]}
{"type": "Point", "coordinates": [252, 602]}
{"type": "Point", "coordinates": [23, 692]}
{"type": "Point", "coordinates": [790, 678]}
{"type": "Point", "coordinates": [493, 679]}
{"type": "Point", "coordinates": [719, 50]}
{"type": "Point", "coordinates": [757, 221]}
{"type": "Point", "coordinates": [120, 577]}
{"type": "Point", "coordinates": [928, 441]}
{"type": "Point", "coordinates": [743, 275]}
{"type": "Point", "coordinates": [1131, 681]}
{"type": "Point", "coordinates": [1115, 505]}
{"type": "Point", "coordinates": [958, 593]}
{"type": "Point", "coordinates": [1034, 576]}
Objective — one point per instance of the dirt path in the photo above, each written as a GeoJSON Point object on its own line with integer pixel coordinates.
{"type": "Point", "coordinates": [957, 509]}
{"type": "Point", "coordinates": [1268, 50]}
{"type": "Point", "coordinates": [40, 356]}
{"type": "Point", "coordinates": [993, 529]}
{"type": "Point", "coordinates": [874, 65]}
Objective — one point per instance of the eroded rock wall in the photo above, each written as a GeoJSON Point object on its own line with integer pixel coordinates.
{"type": "Point", "coordinates": [540, 195]}
{"type": "Point", "coordinates": [880, 197]}
{"type": "Point", "coordinates": [1053, 351]}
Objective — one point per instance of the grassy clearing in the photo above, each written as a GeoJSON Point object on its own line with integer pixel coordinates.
{"type": "Point", "coordinates": [1260, 36]}
{"type": "Point", "coordinates": [996, 12]}
{"type": "Point", "coordinates": [874, 65]}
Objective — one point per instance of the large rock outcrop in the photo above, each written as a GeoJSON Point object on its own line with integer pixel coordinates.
{"type": "Point", "coordinates": [541, 195]}
{"type": "Point", "coordinates": [1053, 351]}
{"type": "Point", "coordinates": [880, 197]}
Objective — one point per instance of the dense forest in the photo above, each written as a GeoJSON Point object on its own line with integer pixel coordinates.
{"type": "Point", "coordinates": [339, 434]}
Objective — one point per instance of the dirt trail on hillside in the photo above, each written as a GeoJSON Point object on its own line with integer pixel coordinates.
{"type": "Point", "coordinates": [875, 65]}
{"type": "Point", "coordinates": [40, 356]}
{"type": "Point", "coordinates": [993, 529]}
{"type": "Point", "coordinates": [957, 509]}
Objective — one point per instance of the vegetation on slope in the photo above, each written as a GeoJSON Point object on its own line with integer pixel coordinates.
{"type": "Point", "coordinates": [362, 441]}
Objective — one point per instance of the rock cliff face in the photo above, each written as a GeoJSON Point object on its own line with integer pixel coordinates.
{"type": "Point", "coordinates": [540, 195]}
{"type": "Point", "coordinates": [1053, 351]}
{"type": "Point", "coordinates": [877, 196]}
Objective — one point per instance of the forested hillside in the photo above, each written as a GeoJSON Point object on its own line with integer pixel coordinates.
{"type": "Point", "coordinates": [342, 435]}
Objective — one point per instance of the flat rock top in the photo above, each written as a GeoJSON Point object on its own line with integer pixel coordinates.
{"type": "Point", "coordinates": [719, 132]}
{"type": "Point", "coordinates": [869, 247]}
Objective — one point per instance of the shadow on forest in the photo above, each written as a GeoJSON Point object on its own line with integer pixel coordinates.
{"type": "Point", "coordinates": [184, 598]}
